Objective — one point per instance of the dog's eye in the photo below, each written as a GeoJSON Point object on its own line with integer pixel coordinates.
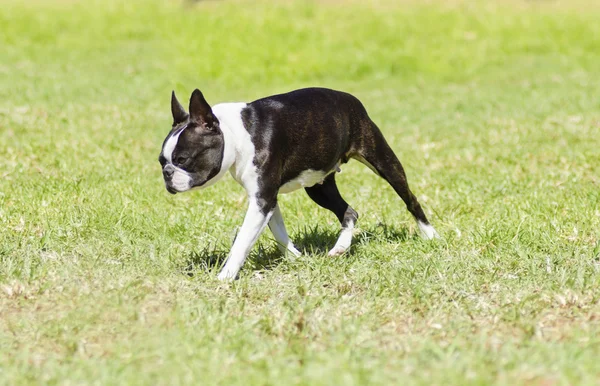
{"type": "Point", "coordinates": [180, 160]}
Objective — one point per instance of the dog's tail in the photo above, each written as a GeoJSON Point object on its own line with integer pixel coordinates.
{"type": "Point", "coordinates": [376, 154]}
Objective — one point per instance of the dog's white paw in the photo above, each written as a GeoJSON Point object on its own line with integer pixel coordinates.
{"type": "Point", "coordinates": [337, 251]}
{"type": "Point", "coordinates": [291, 249]}
{"type": "Point", "coordinates": [427, 231]}
{"type": "Point", "coordinates": [227, 275]}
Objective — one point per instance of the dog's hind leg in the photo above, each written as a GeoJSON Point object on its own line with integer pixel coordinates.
{"type": "Point", "coordinates": [277, 227]}
{"type": "Point", "coordinates": [376, 154]}
{"type": "Point", "coordinates": [328, 197]}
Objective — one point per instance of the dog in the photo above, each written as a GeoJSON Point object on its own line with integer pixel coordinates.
{"type": "Point", "coordinates": [275, 145]}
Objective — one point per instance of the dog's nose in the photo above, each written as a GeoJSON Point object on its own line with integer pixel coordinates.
{"type": "Point", "coordinates": [168, 171]}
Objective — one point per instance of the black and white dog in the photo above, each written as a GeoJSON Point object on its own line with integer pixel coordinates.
{"type": "Point", "coordinates": [277, 145]}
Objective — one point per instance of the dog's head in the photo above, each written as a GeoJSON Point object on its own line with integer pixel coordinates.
{"type": "Point", "coordinates": [192, 153]}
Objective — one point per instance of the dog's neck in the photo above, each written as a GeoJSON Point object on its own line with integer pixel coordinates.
{"type": "Point", "coordinates": [238, 151]}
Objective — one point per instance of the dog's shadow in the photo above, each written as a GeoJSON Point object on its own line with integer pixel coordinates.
{"type": "Point", "coordinates": [319, 241]}
{"type": "Point", "coordinates": [309, 241]}
{"type": "Point", "coordinates": [315, 240]}
{"type": "Point", "coordinates": [264, 256]}
{"type": "Point", "coordinates": [385, 233]}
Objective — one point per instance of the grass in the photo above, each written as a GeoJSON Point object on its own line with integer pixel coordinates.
{"type": "Point", "coordinates": [493, 108]}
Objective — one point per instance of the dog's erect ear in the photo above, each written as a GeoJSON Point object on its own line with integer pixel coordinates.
{"type": "Point", "coordinates": [179, 114]}
{"type": "Point", "coordinates": [200, 111]}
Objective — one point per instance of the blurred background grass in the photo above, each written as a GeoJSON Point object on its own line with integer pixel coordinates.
{"type": "Point", "coordinates": [139, 48]}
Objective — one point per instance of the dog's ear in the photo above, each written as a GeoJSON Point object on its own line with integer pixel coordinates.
{"type": "Point", "coordinates": [179, 114]}
{"type": "Point", "coordinates": [200, 111]}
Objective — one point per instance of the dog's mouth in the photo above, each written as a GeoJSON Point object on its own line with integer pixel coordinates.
{"type": "Point", "coordinates": [171, 190]}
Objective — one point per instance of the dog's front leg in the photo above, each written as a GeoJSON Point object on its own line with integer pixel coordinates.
{"type": "Point", "coordinates": [258, 215]}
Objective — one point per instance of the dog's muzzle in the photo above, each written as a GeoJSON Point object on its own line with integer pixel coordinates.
{"type": "Point", "coordinates": [176, 179]}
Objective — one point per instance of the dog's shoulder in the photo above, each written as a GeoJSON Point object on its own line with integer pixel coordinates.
{"type": "Point", "coordinates": [229, 110]}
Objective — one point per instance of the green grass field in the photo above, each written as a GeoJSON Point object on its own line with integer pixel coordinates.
{"type": "Point", "coordinates": [493, 108]}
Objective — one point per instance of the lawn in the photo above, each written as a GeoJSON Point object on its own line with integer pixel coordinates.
{"type": "Point", "coordinates": [492, 106]}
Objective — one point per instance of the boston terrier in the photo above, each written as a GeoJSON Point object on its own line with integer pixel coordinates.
{"type": "Point", "coordinates": [279, 144]}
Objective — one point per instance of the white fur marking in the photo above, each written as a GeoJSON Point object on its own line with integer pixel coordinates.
{"type": "Point", "coordinates": [427, 231]}
{"type": "Point", "coordinates": [170, 145]}
{"type": "Point", "coordinates": [229, 115]}
{"type": "Point", "coordinates": [242, 169]}
{"type": "Point", "coordinates": [306, 179]}
{"type": "Point", "coordinates": [344, 241]}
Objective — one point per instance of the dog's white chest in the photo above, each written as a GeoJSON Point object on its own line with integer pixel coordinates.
{"type": "Point", "coordinates": [306, 179]}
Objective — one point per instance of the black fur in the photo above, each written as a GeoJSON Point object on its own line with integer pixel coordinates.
{"type": "Point", "coordinates": [328, 197]}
